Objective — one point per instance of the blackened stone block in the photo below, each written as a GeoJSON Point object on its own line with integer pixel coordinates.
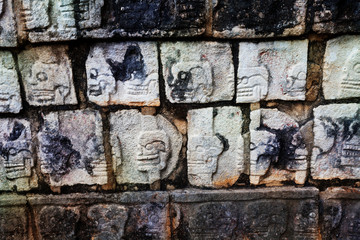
{"type": "Point", "coordinates": [336, 16]}
{"type": "Point", "coordinates": [13, 217]}
{"type": "Point", "coordinates": [258, 18]}
{"type": "Point", "coordinates": [272, 213]}
{"type": "Point", "coordinates": [341, 213]}
{"type": "Point", "coordinates": [150, 18]}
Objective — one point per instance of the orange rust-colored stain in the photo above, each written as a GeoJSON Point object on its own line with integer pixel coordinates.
{"type": "Point", "coordinates": [226, 182]}
{"type": "Point", "coordinates": [169, 223]}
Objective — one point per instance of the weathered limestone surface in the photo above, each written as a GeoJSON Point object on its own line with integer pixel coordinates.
{"type": "Point", "coordinates": [145, 148]}
{"type": "Point", "coordinates": [149, 18]}
{"type": "Point", "coordinates": [334, 16]}
{"type": "Point", "coordinates": [254, 18]}
{"type": "Point", "coordinates": [47, 76]}
{"type": "Point", "coordinates": [336, 152]}
{"type": "Point", "coordinates": [198, 72]}
{"type": "Point", "coordinates": [99, 216]}
{"type": "Point", "coordinates": [341, 213]}
{"type": "Point", "coordinates": [272, 213]}
{"type": "Point", "coordinates": [272, 70]}
{"type": "Point", "coordinates": [71, 148]}
{"type": "Point", "coordinates": [341, 77]}
{"type": "Point", "coordinates": [277, 148]}
{"type": "Point", "coordinates": [123, 73]}
{"type": "Point", "coordinates": [16, 155]}
{"type": "Point", "coordinates": [215, 154]}
{"type": "Point", "coordinates": [13, 217]}
{"type": "Point", "coordinates": [10, 99]}
{"type": "Point", "coordinates": [8, 31]}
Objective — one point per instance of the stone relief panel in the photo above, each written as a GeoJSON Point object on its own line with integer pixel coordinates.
{"type": "Point", "coordinates": [123, 73]}
{"type": "Point", "coordinates": [277, 148]}
{"type": "Point", "coordinates": [272, 71]}
{"type": "Point", "coordinates": [341, 75]}
{"type": "Point", "coordinates": [336, 152]}
{"type": "Point", "coordinates": [71, 148]}
{"type": "Point", "coordinates": [47, 76]}
{"type": "Point", "coordinates": [8, 30]}
{"type": "Point", "coordinates": [145, 148]}
{"type": "Point", "coordinates": [198, 72]}
{"type": "Point", "coordinates": [215, 146]}
{"type": "Point", "coordinates": [13, 217]}
{"type": "Point", "coordinates": [16, 155]}
{"type": "Point", "coordinates": [10, 99]}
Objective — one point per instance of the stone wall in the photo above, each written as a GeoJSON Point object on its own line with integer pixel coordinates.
{"type": "Point", "coordinates": [179, 119]}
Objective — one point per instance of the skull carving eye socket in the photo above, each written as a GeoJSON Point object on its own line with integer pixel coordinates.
{"type": "Point", "coordinates": [41, 76]}
{"type": "Point", "coordinates": [12, 151]}
{"type": "Point", "coordinates": [93, 73]}
{"type": "Point", "coordinates": [357, 68]}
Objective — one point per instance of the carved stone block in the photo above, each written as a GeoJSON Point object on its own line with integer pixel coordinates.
{"type": "Point", "coordinates": [341, 75]}
{"type": "Point", "coordinates": [71, 148]}
{"type": "Point", "coordinates": [13, 217]}
{"type": "Point", "coordinates": [10, 99]}
{"type": "Point", "coordinates": [272, 70]}
{"type": "Point", "coordinates": [123, 73]}
{"type": "Point", "coordinates": [215, 146]}
{"type": "Point", "coordinates": [198, 72]}
{"type": "Point", "coordinates": [153, 18]}
{"type": "Point", "coordinates": [336, 152]}
{"type": "Point", "coordinates": [272, 213]}
{"type": "Point", "coordinates": [145, 148]}
{"type": "Point", "coordinates": [16, 160]}
{"type": "Point", "coordinates": [277, 148]}
{"type": "Point", "coordinates": [254, 18]}
{"type": "Point", "coordinates": [334, 16]}
{"type": "Point", "coordinates": [341, 213]}
{"type": "Point", "coordinates": [47, 76]}
{"type": "Point", "coordinates": [8, 33]}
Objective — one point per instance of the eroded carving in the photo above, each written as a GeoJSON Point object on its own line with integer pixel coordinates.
{"type": "Point", "coordinates": [89, 13]}
{"type": "Point", "coordinates": [350, 82]}
{"type": "Point", "coordinates": [13, 223]}
{"type": "Point", "coordinates": [123, 74]}
{"type": "Point", "coordinates": [296, 80]}
{"type": "Point", "coordinates": [337, 142]}
{"type": "Point", "coordinates": [8, 30]}
{"type": "Point", "coordinates": [145, 148]}
{"type": "Point", "coordinates": [209, 146]}
{"type": "Point", "coordinates": [71, 148]}
{"type": "Point", "coordinates": [277, 149]}
{"type": "Point", "coordinates": [252, 84]}
{"type": "Point", "coordinates": [306, 220]}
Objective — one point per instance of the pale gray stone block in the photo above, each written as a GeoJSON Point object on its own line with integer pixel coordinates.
{"type": "Point", "coordinates": [123, 73]}
{"type": "Point", "coordinates": [272, 71]}
{"type": "Point", "coordinates": [215, 146]}
{"type": "Point", "coordinates": [8, 30]}
{"type": "Point", "coordinates": [341, 75]}
{"type": "Point", "coordinates": [145, 148]}
{"type": "Point", "coordinates": [71, 148]}
{"type": "Point", "coordinates": [198, 72]}
{"type": "Point", "coordinates": [47, 76]}
{"type": "Point", "coordinates": [10, 99]}
{"type": "Point", "coordinates": [336, 152]}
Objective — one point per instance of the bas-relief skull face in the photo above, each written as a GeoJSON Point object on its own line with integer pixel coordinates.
{"type": "Point", "coordinates": [253, 84]}
{"type": "Point", "coordinates": [101, 83]}
{"type": "Point", "coordinates": [190, 80]}
{"type": "Point", "coordinates": [351, 74]}
{"type": "Point", "coordinates": [295, 80]}
{"type": "Point", "coordinates": [7, 74]}
{"type": "Point", "coordinates": [49, 83]}
{"type": "Point", "coordinates": [17, 159]}
{"type": "Point", "coordinates": [153, 151]}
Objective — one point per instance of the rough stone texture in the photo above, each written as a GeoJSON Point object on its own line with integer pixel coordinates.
{"type": "Point", "coordinates": [145, 148]}
{"type": "Point", "coordinates": [99, 216]}
{"type": "Point", "coordinates": [150, 18]}
{"type": "Point", "coordinates": [255, 18]}
{"type": "Point", "coordinates": [198, 72]}
{"type": "Point", "coordinates": [272, 70]}
{"type": "Point", "coordinates": [8, 31]}
{"type": "Point", "coordinates": [341, 77]}
{"type": "Point", "coordinates": [16, 155]}
{"type": "Point", "coordinates": [336, 152]}
{"type": "Point", "coordinates": [336, 16]}
{"type": "Point", "coordinates": [215, 151]}
{"type": "Point", "coordinates": [47, 76]}
{"type": "Point", "coordinates": [341, 213]}
{"type": "Point", "coordinates": [71, 148]}
{"type": "Point", "coordinates": [10, 99]}
{"type": "Point", "coordinates": [123, 73]}
{"type": "Point", "coordinates": [272, 213]}
{"type": "Point", "coordinates": [13, 217]}
{"type": "Point", "coordinates": [277, 148]}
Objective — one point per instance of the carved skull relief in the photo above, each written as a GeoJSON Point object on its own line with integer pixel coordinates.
{"type": "Point", "coordinates": [252, 84]}
{"type": "Point", "coordinates": [351, 75]}
{"type": "Point", "coordinates": [296, 80]}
